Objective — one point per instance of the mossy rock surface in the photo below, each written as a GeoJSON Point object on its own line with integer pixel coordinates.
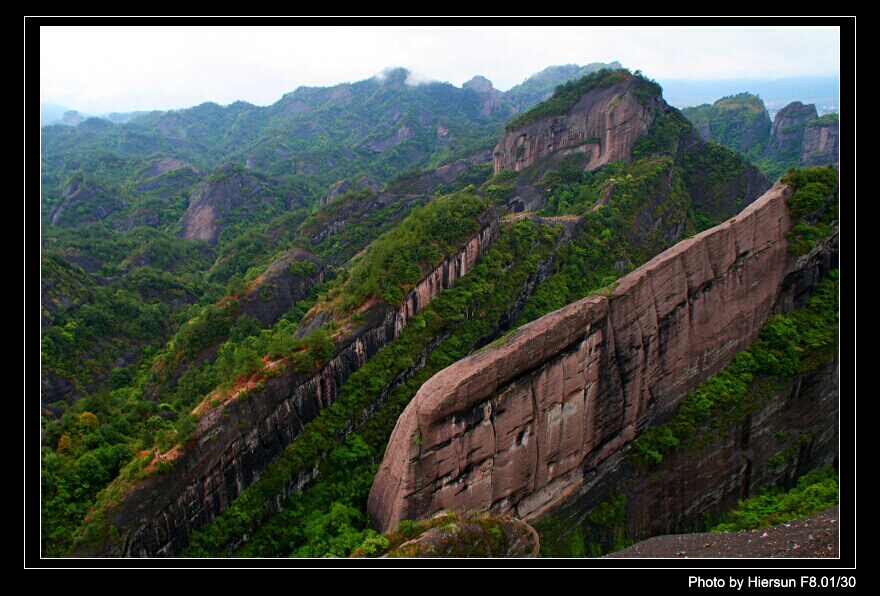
{"type": "Point", "coordinates": [463, 535]}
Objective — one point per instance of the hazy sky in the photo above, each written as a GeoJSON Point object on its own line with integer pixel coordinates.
{"type": "Point", "coordinates": [124, 68]}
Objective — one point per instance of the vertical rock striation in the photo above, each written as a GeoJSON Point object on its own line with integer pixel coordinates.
{"type": "Point", "coordinates": [539, 421]}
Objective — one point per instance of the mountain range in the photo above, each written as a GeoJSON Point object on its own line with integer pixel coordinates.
{"type": "Point", "coordinates": [309, 328]}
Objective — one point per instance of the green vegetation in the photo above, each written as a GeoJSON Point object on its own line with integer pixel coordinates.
{"type": "Point", "coordinates": [814, 206]}
{"type": "Point", "coordinates": [788, 345]}
{"type": "Point", "coordinates": [691, 190]}
{"type": "Point", "coordinates": [739, 122]}
{"type": "Point", "coordinates": [602, 532]}
{"type": "Point", "coordinates": [160, 319]}
{"type": "Point", "coordinates": [93, 325]}
{"type": "Point", "coordinates": [540, 85]}
{"type": "Point", "coordinates": [397, 260]}
{"type": "Point", "coordinates": [712, 174]}
{"type": "Point", "coordinates": [452, 534]}
{"type": "Point", "coordinates": [611, 243]}
{"type": "Point", "coordinates": [831, 119]}
{"type": "Point", "coordinates": [302, 269]}
{"type": "Point", "coordinates": [240, 349]}
{"type": "Point", "coordinates": [664, 136]}
{"type": "Point", "coordinates": [815, 492]}
{"type": "Point", "coordinates": [102, 437]}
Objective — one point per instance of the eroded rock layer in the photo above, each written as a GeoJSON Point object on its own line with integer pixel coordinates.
{"type": "Point", "coordinates": [531, 425]}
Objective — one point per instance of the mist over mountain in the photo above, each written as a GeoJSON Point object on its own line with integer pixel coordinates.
{"type": "Point", "coordinates": [51, 113]}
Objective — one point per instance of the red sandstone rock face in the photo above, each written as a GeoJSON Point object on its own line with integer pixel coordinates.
{"type": "Point", "coordinates": [614, 116]}
{"type": "Point", "coordinates": [514, 428]}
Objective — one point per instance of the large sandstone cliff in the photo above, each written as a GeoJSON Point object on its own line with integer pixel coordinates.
{"type": "Point", "coordinates": [604, 124]}
{"type": "Point", "coordinates": [543, 420]}
{"type": "Point", "coordinates": [235, 441]}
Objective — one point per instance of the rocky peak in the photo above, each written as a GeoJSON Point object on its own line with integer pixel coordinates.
{"type": "Point", "coordinates": [793, 114]}
{"type": "Point", "coordinates": [738, 121]}
{"type": "Point", "coordinates": [164, 165]}
{"type": "Point", "coordinates": [340, 187]}
{"type": "Point", "coordinates": [480, 84]}
{"type": "Point", "coordinates": [492, 99]}
{"type": "Point", "coordinates": [604, 123]}
{"type": "Point", "coordinates": [787, 132]}
{"type": "Point", "coordinates": [72, 118]}
{"type": "Point", "coordinates": [393, 76]}
{"type": "Point", "coordinates": [285, 282]}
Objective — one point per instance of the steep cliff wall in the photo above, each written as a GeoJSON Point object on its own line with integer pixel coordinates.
{"type": "Point", "coordinates": [537, 422]}
{"type": "Point", "coordinates": [628, 121]}
{"type": "Point", "coordinates": [604, 123]}
{"type": "Point", "coordinates": [235, 441]}
{"type": "Point", "coordinates": [821, 144]}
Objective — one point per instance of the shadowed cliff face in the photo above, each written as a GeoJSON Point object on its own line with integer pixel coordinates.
{"type": "Point", "coordinates": [233, 443]}
{"type": "Point", "coordinates": [279, 288]}
{"type": "Point", "coordinates": [102, 202]}
{"type": "Point", "coordinates": [673, 496]}
{"type": "Point", "coordinates": [821, 145]}
{"type": "Point", "coordinates": [212, 201]}
{"type": "Point", "coordinates": [535, 423]}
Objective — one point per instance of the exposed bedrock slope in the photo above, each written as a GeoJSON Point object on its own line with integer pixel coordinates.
{"type": "Point", "coordinates": [538, 422]}
{"type": "Point", "coordinates": [235, 442]}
